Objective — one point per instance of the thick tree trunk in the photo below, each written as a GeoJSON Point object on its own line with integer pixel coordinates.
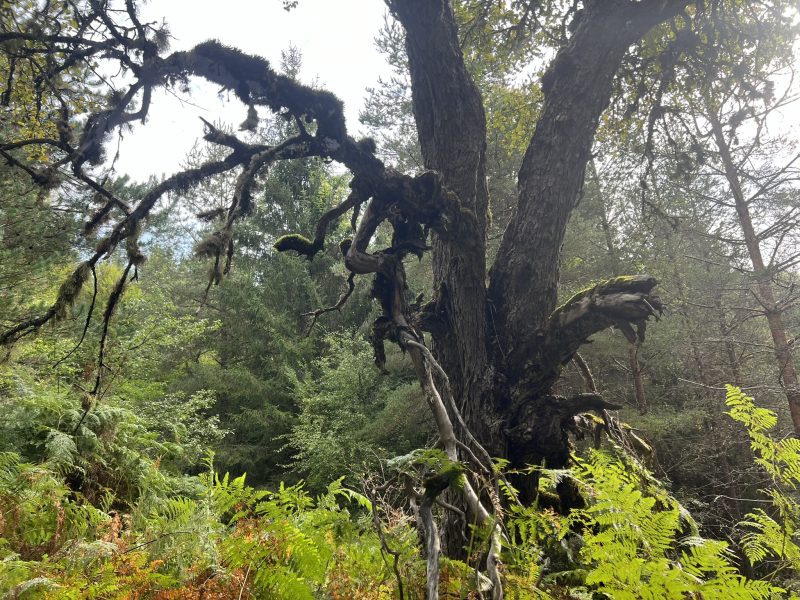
{"type": "Point", "coordinates": [577, 88]}
{"type": "Point", "coordinates": [451, 126]}
{"type": "Point", "coordinates": [783, 353]}
{"type": "Point", "coordinates": [499, 364]}
{"type": "Point", "coordinates": [502, 359]}
{"type": "Point", "coordinates": [524, 278]}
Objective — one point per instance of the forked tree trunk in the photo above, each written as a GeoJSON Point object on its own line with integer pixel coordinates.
{"type": "Point", "coordinates": [504, 348]}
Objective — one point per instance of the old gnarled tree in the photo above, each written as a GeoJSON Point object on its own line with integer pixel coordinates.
{"type": "Point", "coordinates": [498, 340]}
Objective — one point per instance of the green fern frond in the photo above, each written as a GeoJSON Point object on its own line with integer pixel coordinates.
{"type": "Point", "coordinates": [61, 451]}
{"type": "Point", "coordinates": [771, 536]}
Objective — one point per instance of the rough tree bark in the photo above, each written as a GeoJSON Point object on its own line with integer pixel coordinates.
{"type": "Point", "coordinates": [452, 132]}
{"type": "Point", "coordinates": [504, 346]}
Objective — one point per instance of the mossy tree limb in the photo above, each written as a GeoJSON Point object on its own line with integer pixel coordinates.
{"type": "Point", "coordinates": [623, 302]}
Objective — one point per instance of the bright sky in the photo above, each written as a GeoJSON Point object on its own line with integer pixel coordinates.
{"type": "Point", "coordinates": [336, 38]}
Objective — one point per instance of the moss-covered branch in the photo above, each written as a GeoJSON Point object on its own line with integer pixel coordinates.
{"type": "Point", "coordinates": [621, 301]}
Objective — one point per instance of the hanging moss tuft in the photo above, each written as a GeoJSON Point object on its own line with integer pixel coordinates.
{"type": "Point", "coordinates": [70, 289]}
{"type": "Point", "coordinates": [298, 243]}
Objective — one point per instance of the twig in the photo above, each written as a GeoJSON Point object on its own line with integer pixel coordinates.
{"type": "Point", "coordinates": [423, 360]}
{"type": "Point", "coordinates": [585, 372]}
{"type": "Point", "coordinates": [315, 314]}
{"type": "Point", "coordinates": [244, 581]}
{"type": "Point", "coordinates": [489, 466]}
{"type": "Point", "coordinates": [113, 299]}
{"type": "Point", "coordinates": [154, 540]}
{"type": "Point", "coordinates": [450, 507]}
{"type": "Point", "coordinates": [451, 401]}
{"type": "Point", "coordinates": [384, 545]}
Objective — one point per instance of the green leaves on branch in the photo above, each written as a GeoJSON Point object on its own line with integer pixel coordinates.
{"type": "Point", "coordinates": [433, 467]}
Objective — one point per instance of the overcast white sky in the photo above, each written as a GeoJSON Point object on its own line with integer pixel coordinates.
{"type": "Point", "coordinates": [336, 38]}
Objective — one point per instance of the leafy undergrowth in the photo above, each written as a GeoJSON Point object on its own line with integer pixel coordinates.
{"type": "Point", "coordinates": [219, 538]}
{"type": "Point", "coordinates": [229, 541]}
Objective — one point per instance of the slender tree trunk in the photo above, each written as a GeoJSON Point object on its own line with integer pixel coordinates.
{"type": "Point", "coordinates": [614, 255]}
{"type": "Point", "coordinates": [605, 224]}
{"type": "Point", "coordinates": [638, 382]}
{"type": "Point", "coordinates": [730, 347]}
{"type": "Point", "coordinates": [721, 444]}
{"type": "Point", "coordinates": [766, 295]}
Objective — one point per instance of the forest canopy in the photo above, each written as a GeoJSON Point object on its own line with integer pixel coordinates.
{"type": "Point", "coordinates": [533, 337]}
